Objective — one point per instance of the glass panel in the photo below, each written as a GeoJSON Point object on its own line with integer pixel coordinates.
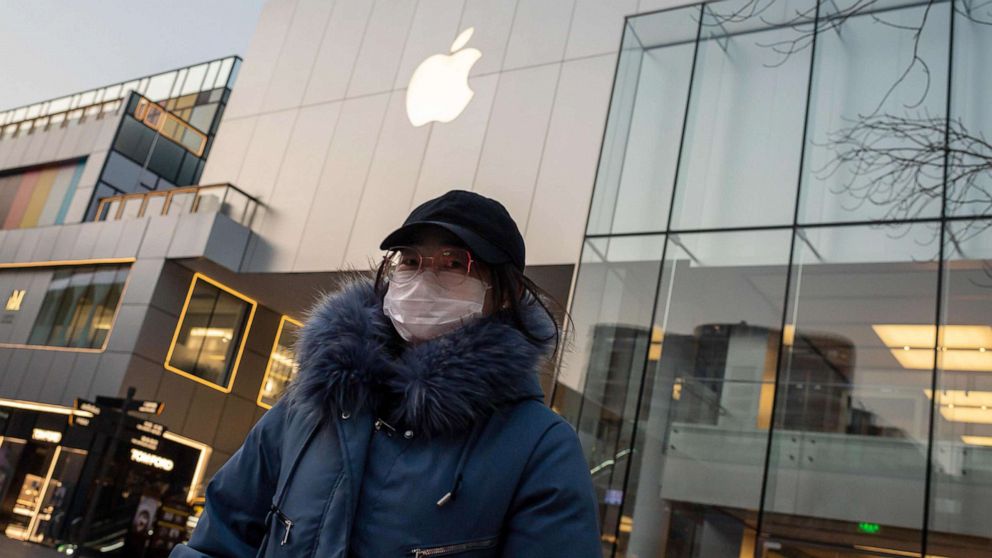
{"type": "Point", "coordinates": [154, 206]}
{"type": "Point", "coordinates": [282, 365]}
{"type": "Point", "coordinates": [132, 208]}
{"type": "Point", "coordinates": [597, 386]}
{"type": "Point", "coordinates": [209, 334]}
{"type": "Point", "coordinates": [181, 202]}
{"type": "Point", "coordinates": [211, 75]}
{"type": "Point", "coordinates": [165, 159]}
{"type": "Point", "coordinates": [159, 86]}
{"type": "Point", "coordinates": [45, 320]}
{"type": "Point", "coordinates": [225, 73]}
{"type": "Point", "coordinates": [57, 498]}
{"type": "Point", "coordinates": [743, 137]}
{"type": "Point", "coordinates": [103, 317]}
{"type": "Point", "coordinates": [180, 79]}
{"type": "Point", "coordinates": [962, 453]}
{"type": "Point", "coordinates": [203, 116]}
{"type": "Point", "coordinates": [614, 147]}
{"type": "Point", "coordinates": [209, 199]}
{"type": "Point", "coordinates": [698, 462]}
{"type": "Point", "coordinates": [78, 307]}
{"type": "Point", "coordinates": [194, 79]}
{"type": "Point", "coordinates": [876, 135]}
{"type": "Point", "coordinates": [236, 206]}
{"type": "Point", "coordinates": [851, 415]}
{"type": "Point", "coordinates": [969, 186]}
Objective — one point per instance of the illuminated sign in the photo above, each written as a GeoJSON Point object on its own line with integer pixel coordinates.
{"type": "Point", "coordinates": [151, 407]}
{"type": "Point", "coordinates": [149, 427]}
{"type": "Point", "coordinates": [146, 442]}
{"type": "Point", "coordinates": [43, 435]}
{"type": "Point", "coordinates": [869, 528]}
{"type": "Point", "coordinates": [157, 461]}
{"type": "Point", "coordinates": [438, 90]}
{"type": "Point", "coordinates": [15, 299]}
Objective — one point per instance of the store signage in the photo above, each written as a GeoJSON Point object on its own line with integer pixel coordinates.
{"type": "Point", "coordinates": [15, 299]}
{"type": "Point", "coordinates": [151, 459]}
{"type": "Point", "coordinates": [88, 407]}
{"type": "Point", "coordinates": [43, 435]}
{"type": "Point", "coordinates": [149, 427]}
{"type": "Point", "coordinates": [147, 442]}
{"type": "Point", "coordinates": [438, 90]}
{"type": "Point", "coordinates": [142, 406]}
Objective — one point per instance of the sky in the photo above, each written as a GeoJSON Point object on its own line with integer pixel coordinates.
{"type": "Point", "coordinates": [50, 48]}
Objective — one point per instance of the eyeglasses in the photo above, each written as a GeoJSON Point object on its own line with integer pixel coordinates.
{"type": "Point", "coordinates": [451, 266]}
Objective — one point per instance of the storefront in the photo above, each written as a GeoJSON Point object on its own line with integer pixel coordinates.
{"type": "Point", "coordinates": [64, 479]}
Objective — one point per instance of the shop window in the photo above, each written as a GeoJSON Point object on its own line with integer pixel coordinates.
{"type": "Point", "coordinates": [282, 366]}
{"type": "Point", "coordinates": [79, 307]}
{"type": "Point", "coordinates": [210, 337]}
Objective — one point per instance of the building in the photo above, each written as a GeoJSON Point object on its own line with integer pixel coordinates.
{"type": "Point", "coordinates": [782, 307]}
{"type": "Point", "coordinates": [756, 268]}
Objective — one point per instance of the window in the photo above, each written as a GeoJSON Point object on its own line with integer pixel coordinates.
{"type": "Point", "coordinates": [79, 307]}
{"type": "Point", "coordinates": [790, 357]}
{"type": "Point", "coordinates": [282, 366]}
{"type": "Point", "coordinates": [210, 337]}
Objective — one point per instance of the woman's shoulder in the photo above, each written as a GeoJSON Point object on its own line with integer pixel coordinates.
{"type": "Point", "coordinates": [532, 420]}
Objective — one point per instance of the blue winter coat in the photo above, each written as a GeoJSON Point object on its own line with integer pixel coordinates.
{"type": "Point", "coordinates": [468, 462]}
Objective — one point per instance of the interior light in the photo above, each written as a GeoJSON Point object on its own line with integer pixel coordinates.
{"type": "Point", "coordinates": [962, 398]}
{"type": "Point", "coordinates": [962, 349]}
{"type": "Point", "coordinates": [225, 333]}
{"type": "Point", "coordinates": [977, 440]}
{"type": "Point", "coordinates": [973, 415]}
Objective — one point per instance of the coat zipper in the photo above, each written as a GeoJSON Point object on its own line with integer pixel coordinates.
{"type": "Point", "coordinates": [452, 548]}
{"type": "Point", "coordinates": [286, 522]}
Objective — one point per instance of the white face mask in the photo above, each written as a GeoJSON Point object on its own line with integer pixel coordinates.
{"type": "Point", "coordinates": [422, 309]}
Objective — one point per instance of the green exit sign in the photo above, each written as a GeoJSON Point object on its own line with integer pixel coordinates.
{"type": "Point", "coordinates": [869, 528]}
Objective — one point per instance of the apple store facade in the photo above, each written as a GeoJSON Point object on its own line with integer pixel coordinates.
{"type": "Point", "coordinates": [783, 309]}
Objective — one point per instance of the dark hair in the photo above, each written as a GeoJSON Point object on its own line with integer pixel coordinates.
{"type": "Point", "coordinates": [512, 290]}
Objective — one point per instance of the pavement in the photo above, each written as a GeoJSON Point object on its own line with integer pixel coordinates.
{"type": "Point", "coordinates": [9, 548]}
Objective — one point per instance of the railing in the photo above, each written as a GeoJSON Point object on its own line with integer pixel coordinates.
{"type": "Point", "coordinates": [60, 119]}
{"type": "Point", "coordinates": [157, 87]}
{"type": "Point", "coordinates": [221, 198]}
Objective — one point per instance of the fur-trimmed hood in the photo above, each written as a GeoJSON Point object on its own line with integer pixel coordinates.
{"type": "Point", "coordinates": [350, 356]}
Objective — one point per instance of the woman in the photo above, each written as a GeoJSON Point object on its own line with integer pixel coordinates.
{"type": "Point", "coordinates": [415, 426]}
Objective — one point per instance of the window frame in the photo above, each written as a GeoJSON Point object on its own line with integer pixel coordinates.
{"type": "Point", "coordinates": [58, 264]}
{"type": "Point", "coordinates": [252, 305]}
{"type": "Point", "coordinates": [272, 352]}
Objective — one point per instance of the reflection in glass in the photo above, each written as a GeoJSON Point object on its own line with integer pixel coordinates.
{"type": "Point", "coordinates": [740, 159]}
{"type": "Point", "coordinates": [969, 186]}
{"type": "Point", "coordinates": [79, 306]}
{"type": "Point", "coordinates": [597, 385]}
{"type": "Point", "coordinates": [211, 332]}
{"type": "Point", "coordinates": [282, 366]}
{"type": "Point", "coordinates": [695, 474]}
{"type": "Point", "coordinates": [876, 136]}
{"type": "Point", "coordinates": [851, 417]}
{"type": "Point", "coordinates": [962, 452]}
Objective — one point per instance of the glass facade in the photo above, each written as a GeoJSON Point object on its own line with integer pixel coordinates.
{"type": "Point", "coordinates": [211, 334]}
{"type": "Point", "coordinates": [783, 308]}
{"type": "Point", "coordinates": [166, 131]}
{"type": "Point", "coordinates": [169, 87]}
{"type": "Point", "coordinates": [282, 366]}
{"type": "Point", "coordinates": [79, 306]}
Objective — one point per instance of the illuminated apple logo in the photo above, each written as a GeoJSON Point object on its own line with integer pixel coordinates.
{"type": "Point", "coordinates": [438, 90]}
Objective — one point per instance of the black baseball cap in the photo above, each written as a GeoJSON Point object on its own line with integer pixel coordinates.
{"type": "Point", "coordinates": [482, 223]}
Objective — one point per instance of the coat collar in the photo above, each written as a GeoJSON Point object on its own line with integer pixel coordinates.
{"type": "Point", "coordinates": [350, 358]}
